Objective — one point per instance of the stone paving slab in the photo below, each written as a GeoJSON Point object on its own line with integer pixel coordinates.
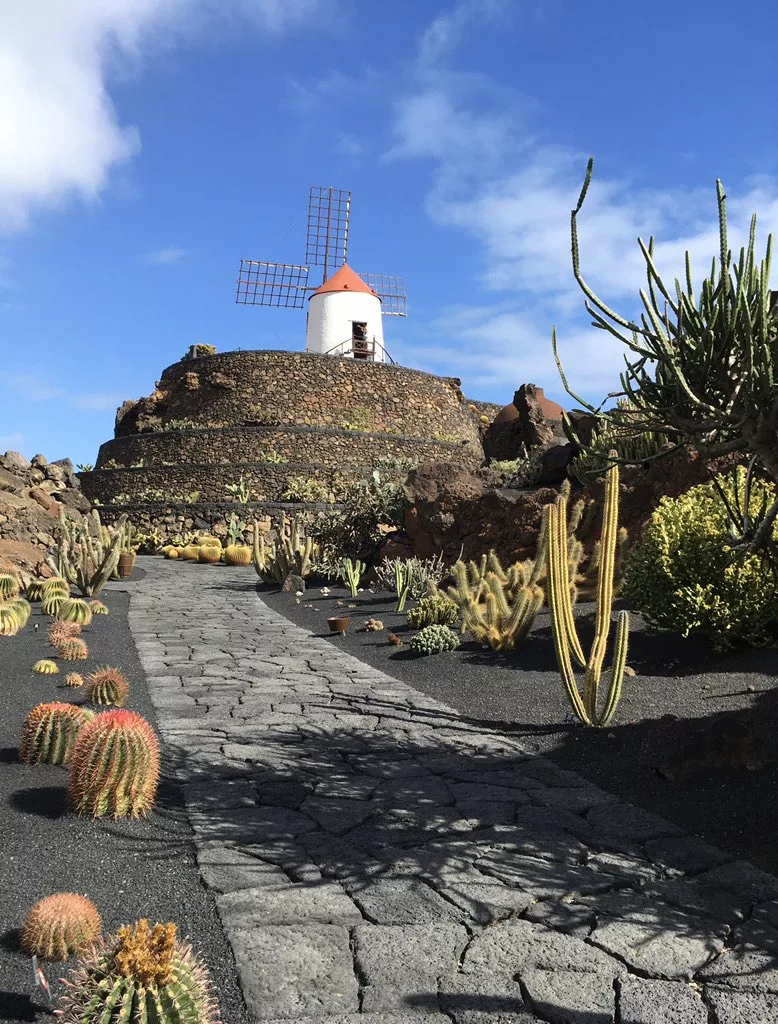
{"type": "Point", "coordinates": [378, 858]}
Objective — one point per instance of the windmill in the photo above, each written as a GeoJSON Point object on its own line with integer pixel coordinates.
{"type": "Point", "coordinates": [346, 309]}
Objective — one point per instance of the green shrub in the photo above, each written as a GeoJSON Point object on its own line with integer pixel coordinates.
{"type": "Point", "coordinates": [682, 575]}
{"type": "Point", "coordinates": [521, 472]}
{"type": "Point", "coordinates": [437, 610]}
{"type": "Point", "coordinates": [434, 640]}
{"type": "Point", "coordinates": [306, 488]}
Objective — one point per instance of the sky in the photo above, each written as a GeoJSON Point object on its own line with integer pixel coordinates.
{"type": "Point", "coordinates": [147, 145]}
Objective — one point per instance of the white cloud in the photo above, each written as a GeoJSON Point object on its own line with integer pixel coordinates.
{"type": "Point", "coordinates": [444, 34]}
{"type": "Point", "coordinates": [37, 389]}
{"type": "Point", "coordinates": [162, 257]}
{"type": "Point", "coordinates": [60, 135]}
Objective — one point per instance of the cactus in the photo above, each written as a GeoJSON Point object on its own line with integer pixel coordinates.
{"type": "Point", "coordinates": [49, 732]}
{"type": "Point", "coordinates": [59, 926]}
{"type": "Point", "coordinates": [171, 553]}
{"type": "Point", "coordinates": [45, 667]}
{"type": "Point", "coordinates": [73, 649]}
{"type": "Point", "coordinates": [433, 610]}
{"type": "Point", "coordinates": [61, 631]}
{"type": "Point", "coordinates": [98, 608]}
{"type": "Point", "coordinates": [74, 609]}
{"type": "Point", "coordinates": [292, 553]}
{"type": "Point", "coordinates": [114, 767]}
{"type": "Point", "coordinates": [403, 579]}
{"type": "Point", "coordinates": [434, 639]}
{"type": "Point", "coordinates": [9, 585]}
{"type": "Point", "coordinates": [207, 540]}
{"type": "Point", "coordinates": [235, 529]}
{"type": "Point", "coordinates": [106, 685]}
{"type": "Point", "coordinates": [56, 584]}
{"type": "Point", "coordinates": [209, 554]}
{"type": "Point", "coordinates": [237, 554]}
{"type": "Point", "coordinates": [372, 625]}
{"type": "Point", "coordinates": [89, 552]}
{"type": "Point", "coordinates": [10, 623]}
{"type": "Point", "coordinates": [351, 573]}
{"type": "Point", "coordinates": [566, 642]}
{"type": "Point", "coordinates": [22, 608]}
{"type": "Point", "coordinates": [74, 679]}
{"type": "Point", "coordinates": [35, 590]}
{"type": "Point", "coordinates": [141, 974]}
{"type": "Point", "coordinates": [190, 553]}
{"type": "Point", "coordinates": [51, 602]}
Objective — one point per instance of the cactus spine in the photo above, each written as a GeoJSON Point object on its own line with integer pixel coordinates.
{"type": "Point", "coordinates": [140, 975]}
{"type": "Point", "coordinates": [114, 768]}
{"type": "Point", "coordinates": [566, 642]}
{"type": "Point", "coordinates": [59, 926]}
{"type": "Point", "coordinates": [49, 732]}
{"type": "Point", "coordinates": [351, 573]}
{"type": "Point", "coordinates": [74, 679]}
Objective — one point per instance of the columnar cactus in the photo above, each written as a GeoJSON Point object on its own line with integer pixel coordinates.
{"type": "Point", "coordinates": [114, 767]}
{"type": "Point", "coordinates": [45, 667]}
{"type": "Point", "coordinates": [75, 609]}
{"type": "Point", "coordinates": [49, 732]}
{"type": "Point", "coordinates": [59, 926]}
{"type": "Point", "coordinates": [141, 974]}
{"type": "Point", "coordinates": [106, 685]}
{"type": "Point", "coordinates": [73, 649]}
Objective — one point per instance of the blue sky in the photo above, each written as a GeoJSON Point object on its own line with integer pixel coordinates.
{"type": "Point", "coordinates": [147, 145]}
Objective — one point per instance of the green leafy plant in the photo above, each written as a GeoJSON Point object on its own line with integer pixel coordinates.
{"type": "Point", "coordinates": [524, 471]}
{"type": "Point", "coordinates": [49, 732]}
{"type": "Point", "coordinates": [59, 926]}
{"type": "Point", "coordinates": [567, 645]}
{"type": "Point", "coordinates": [351, 573]}
{"type": "Point", "coordinates": [242, 489]}
{"type": "Point", "coordinates": [141, 974]}
{"type": "Point", "coordinates": [616, 434]}
{"type": "Point", "coordinates": [685, 576]}
{"type": "Point", "coordinates": [85, 467]}
{"type": "Point", "coordinates": [434, 640]}
{"type": "Point", "coordinates": [270, 455]}
{"type": "Point", "coordinates": [433, 610]}
{"type": "Point", "coordinates": [423, 572]}
{"type": "Point", "coordinates": [306, 489]}
{"type": "Point", "coordinates": [198, 351]}
{"type": "Point", "coordinates": [114, 767]}
{"type": "Point", "coordinates": [235, 528]}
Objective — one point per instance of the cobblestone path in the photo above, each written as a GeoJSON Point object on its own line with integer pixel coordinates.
{"type": "Point", "coordinates": [377, 857]}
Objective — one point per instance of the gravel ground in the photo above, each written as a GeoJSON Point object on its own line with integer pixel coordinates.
{"type": "Point", "coordinates": [129, 869]}
{"type": "Point", "coordinates": [693, 739]}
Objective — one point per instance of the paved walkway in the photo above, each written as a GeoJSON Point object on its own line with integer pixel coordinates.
{"type": "Point", "coordinates": [377, 857]}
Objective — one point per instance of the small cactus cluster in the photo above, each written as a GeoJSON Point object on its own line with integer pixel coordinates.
{"type": "Point", "coordinates": [74, 609]}
{"type": "Point", "coordinates": [142, 973]}
{"type": "Point", "coordinates": [372, 625]}
{"type": "Point", "coordinates": [434, 639]}
{"type": "Point", "coordinates": [114, 767]}
{"type": "Point", "coordinates": [106, 685]}
{"type": "Point", "coordinates": [45, 667]}
{"type": "Point", "coordinates": [51, 601]}
{"type": "Point", "coordinates": [59, 926]}
{"type": "Point", "coordinates": [73, 649]}
{"type": "Point", "coordinates": [50, 731]}
{"type": "Point", "coordinates": [433, 610]}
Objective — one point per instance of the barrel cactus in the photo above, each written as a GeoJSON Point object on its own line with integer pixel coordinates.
{"type": "Point", "coordinates": [9, 585]}
{"type": "Point", "coordinates": [141, 974]}
{"type": "Point", "coordinates": [73, 649]}
{"type": "Point", "coordinates": [58, 632]}
{"type": "Point", "coordinates": [35, 590]}
{"type": "Point", "coordinates": [49, 732]}
{"type": "Point", "coordinates": [75, 609]}
{"type": "Point", "coordinates": [107, 685]}
{"type": "Point", "coordinates": [190, 553]}
{"type": "Point", "coordinates": [114, 767]}
{"type": "Point", "coordinates": [433, 610]}
{"type": "Point", "coordinates": [74, 679]}
{"type": "Point", "coordinates": [51, 601]}
{"type": "Point", "coordinates": [59, 926]}
{"type": "Point", "coordinates": [237, 554]}
{"type": "Point", "coordinates": [98, 608]}
{"type": "Point", "coordinates": [56, 585]}
{"type": "Point", "coordinates": [434, 640]}
{"type": "Point", "coordinates": [45, 667]}
{"type": "Point", "coordinates": [10, 624]}
{"type": "Point", "coordinates": [22, 608]}
{"type": "Point", "coordinates": [209, 554]}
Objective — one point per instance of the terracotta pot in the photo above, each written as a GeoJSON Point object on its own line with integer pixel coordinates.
{"type": "Point", "coordinates": [339, 623]}
{"type": "Point", "coordinates": [126, 564]}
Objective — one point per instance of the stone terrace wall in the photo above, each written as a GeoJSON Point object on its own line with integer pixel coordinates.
{"type": "Point", "coordinates": [315, 390]}
{"type": "Point", "coordinates": [301, 444]}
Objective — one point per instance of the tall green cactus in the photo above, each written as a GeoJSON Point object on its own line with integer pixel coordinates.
{"type": "Point", "coordinates": [351, 573]}
{"type": "Point", "coordinates": [85, 558]}
{"type": "Point", "coordinates": [292, 554]}
{"type": "Point", "coordinates": [567, 645]}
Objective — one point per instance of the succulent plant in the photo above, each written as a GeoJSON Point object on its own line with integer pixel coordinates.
{"type": "Point", "coordinates": [60, 631]}
{"type": "Point", "coordinates": [434, 639]}
{"type": "Point", "coordinates": [73, 649]}
{"type": "Point", "coordinates": [59, 926]}
{"type": "Point", "coordinates": [237, 554]}
{"type": "Point", "coordinates": [190, 553]}
{"type": "Point", "coordinates": [106, 685]}
{"type": "Point", "coordinates": [56, 584]}
{"type": "Point", "coordinates": [171, 552]}
{"type": "Point", "coordinates": [432, 610]}
{"type": "Point", "coordinates": [394, 640]}
{"type": "Point", "coordinates": [35, 590]}
{"type": "Point", "coordinates": [10, 624]}
{"type": "Point", "coordinates": [45, 667]}
{"type": "Point", "coordinates": [114, 767]}
{"type": "Point", "coordinates": [75, 609]}
{"type": "Point", "coordinates": [372, 625]}
{"type": "Point", "coordinates": [141, 974]}
{"type": "Point", "coordinates": [209, 554]}
{"type": "Point", "coordinates": [209, 541]}
{"type": "Point", "coordinates": [9, 585]}
{"type": "Point", "coordinates": [49, 732]}
{"type": "Point", "coordinates": [51, 601]}
{"type": "Point", "coordinates": [98, 608]}
{"type": "Point", "coordinates": [74, 679]}
{"type": "Point", "coordinates": [22, 608]}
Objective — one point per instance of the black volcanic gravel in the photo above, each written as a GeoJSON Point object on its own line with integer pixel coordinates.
{"type": "Point", "coordinates": [693, 739]}
{"type": "Point", "coordinates": [129, 869]}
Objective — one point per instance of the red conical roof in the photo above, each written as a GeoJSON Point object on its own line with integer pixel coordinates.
{"type": "Point", "coordinates": [344, 280]}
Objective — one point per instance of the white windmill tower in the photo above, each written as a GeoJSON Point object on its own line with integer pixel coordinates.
{"type": "Point", "coordinates": [346, 310]}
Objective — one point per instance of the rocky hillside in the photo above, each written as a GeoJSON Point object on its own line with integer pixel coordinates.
{"type": "Point", "coordinates": [32, 494]}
